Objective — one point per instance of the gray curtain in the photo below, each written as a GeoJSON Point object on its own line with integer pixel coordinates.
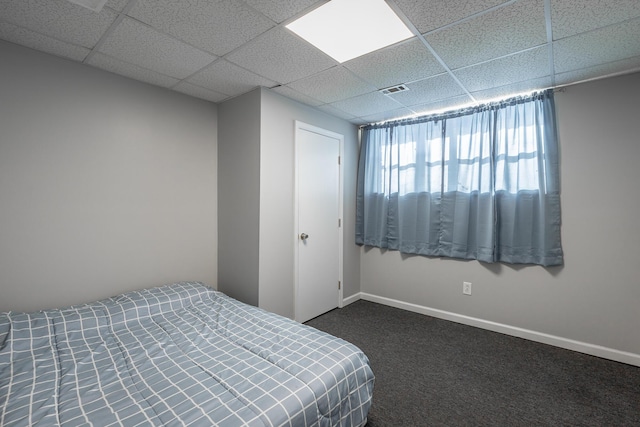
{"type": "Point", "coordinates": [480, 183]}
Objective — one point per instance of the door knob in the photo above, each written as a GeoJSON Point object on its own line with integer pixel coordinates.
{"type": "Point", "coordinates": [304, 236]}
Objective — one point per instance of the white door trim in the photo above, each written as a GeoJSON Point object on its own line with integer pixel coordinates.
{"type": "Point", "coordinates": [301, 126]}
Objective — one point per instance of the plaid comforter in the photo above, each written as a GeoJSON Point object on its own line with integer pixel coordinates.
{"type": "Point", "coordinates": [181, 354]}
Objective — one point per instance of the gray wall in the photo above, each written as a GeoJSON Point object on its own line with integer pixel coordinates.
{"type": "Point", "coordinates": [256, 176]}
{"type": "Point", "coordinates": [239, 196]}
{"type": "Point", "coordinates": [276, 199]}
{"type": "Point", "coordinates": [106, 184]}
{"type": "Point", "coordinates": [595, 297]}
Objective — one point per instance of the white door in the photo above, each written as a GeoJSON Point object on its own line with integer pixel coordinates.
{"type": "Point", "coordinates": [318, 211]}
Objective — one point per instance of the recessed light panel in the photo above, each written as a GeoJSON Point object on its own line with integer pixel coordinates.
{"type": "Point", "coordinates": [346, 29]}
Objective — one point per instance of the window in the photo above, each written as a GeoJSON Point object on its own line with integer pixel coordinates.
{"type": "Point", "coordinates": [478, 184]}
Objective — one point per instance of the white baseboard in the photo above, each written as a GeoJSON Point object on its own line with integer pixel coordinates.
{"type": "Point", "coordinates": [353, 298]}
{"type": "Point", "coordinates": [582, 347]}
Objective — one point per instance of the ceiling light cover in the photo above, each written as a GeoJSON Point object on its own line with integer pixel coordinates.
{"type": "Point", "coordinates": [346, 29]}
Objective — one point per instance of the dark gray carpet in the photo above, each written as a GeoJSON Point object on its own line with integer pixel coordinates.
{"type": "Point", "coordinates": [432, 372]}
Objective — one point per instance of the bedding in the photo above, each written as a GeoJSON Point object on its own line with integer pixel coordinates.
{"type": "Point", "coordinates": [181, 354]}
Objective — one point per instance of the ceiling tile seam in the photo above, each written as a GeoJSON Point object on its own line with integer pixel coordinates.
{"type": "Point", "coordinates": [171, 36]}
{"type": "Point", "coordinates": [225, 57]}
{"type": "Point", "coordinates": [327, 107]}
{"type": "Point", "coordinates": [247, 43]}
{"type": "Point", "coordinates": [174, 87]}
{"type": "Point", "coordinates": [423, 40]}
{"type": "Point", "coordinates": [377, 88]}
{"type": "Point", "coordinates": [377, 91]}
{"type": "Point", "coordinates": [137, 66]}
{"type": "Point", "coordinates": [104, 37]}
{"type": "Point", "coordinates": [281, 25]}
{"type": "Point", "coordinates": [303, 94]}
{"type": "Point", "coordinates": [255, 39]}
{"type": "Point", "coordinates": [311, 76]}
{"type": "Point", "coordinates": [253, 9]}
{"type": "Point", "coordinates": [44, 35]}
{"type": "Point", "coordinates": [497, 58]}
{"type": "Point", "coordinates": [468, 18]}
{"type": "Point", "coordinates": [600, 76]}
{"type": "Point", "coordinates": [130, 4]}
{"type": "Point", "coordinates": [339, 109]}
{"type": "Point", "coordinates": [602, 27]}
{"type": "Point", "coordinates": [549, 28]}
{"type": "Point", "coordinates": [287, 21]}
{"type": "Point", "coordinates": [409, 82]}
{"type": "Point", "coordinates": [225, 96]}
{"type": "Point", "coordinates": [394, 100]}
{"type": "Point", "coordinates": [362, 94]}
{"type": "Point", "coordinates": [354, 74]}
{"type": "Point", "coordinates": [365, 81]}
{"type": "Point", "coordinates": [562, 87]}
{"type": "Point", "coordinates": [127, 8]}
{"type": "Point", "coordinates": [303, 12]}
{"type": "Point", "coordinates": [626, 71]}
{"type": "Point", "coordinates": [219, 59]}
{"type": "Point", "coordinates": [341, 66]}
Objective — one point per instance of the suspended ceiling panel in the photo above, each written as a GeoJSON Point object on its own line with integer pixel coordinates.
{"type": "Point", "coordinates": [463, 51]}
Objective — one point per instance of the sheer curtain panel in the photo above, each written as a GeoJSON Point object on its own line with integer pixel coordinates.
{"type": "Point", "coordinates": [480, 183]}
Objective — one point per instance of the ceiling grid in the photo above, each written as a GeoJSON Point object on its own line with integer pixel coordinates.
{"type": "Point", "coordinates": [462, 51]}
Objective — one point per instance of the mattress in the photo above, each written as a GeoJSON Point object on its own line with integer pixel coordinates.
{"type": "Point", "coordinates": [181, 354]}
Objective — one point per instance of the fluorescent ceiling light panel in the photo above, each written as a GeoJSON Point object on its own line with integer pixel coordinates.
{"type": "Point", "coordinates": [95, 5]}
{"type": "Point", "coordinates": [346, 29]}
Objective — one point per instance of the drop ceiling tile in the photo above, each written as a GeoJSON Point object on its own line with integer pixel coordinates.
{"type": "Point", "coordinates": [382, 68]}
{"type": "Point", "coordinates": [200, 92]}
{"type": "Point", "coordinates": [569, 18]}
{"type": "Point", "coordinates": [118, 5]}
{"type": "Point", "coordinates": [296, 96]}
{"type": "Point", "coordinates": [358, 121]}
{"type": "Point", "coordinates": [332, 85]}
{"type": "Point", "coordinates": [515, 27]}
{"type": "Point", "coordinates": [281, 56]}
{"type": "Point", "coordinates": [227, 78]}
{"type": "Point", "coordinates": [530, 64]}
{"type": "Point", "coordinates": [281, 10]}
{"type": "Point", "coordinates": [389, 115]}
{"type": "Point", "coordinates": [427, 16]}
{"type": "Point", "coordinates": [508, 91]}
{"type": "Point", "coordinates": [60, 19]}
{"type": "Point", "coordinates": [141, 45]}
{"type": "Point", "coordinates": [40, 42]}
{"type": "Point", "coordinates": [613, 43]}
{"type": "Point", "coordinates": [429, 90]}
{"type": "Point", "coordinates": [329, 109]}
{"type": "Point", "coordinates": [599, 71]}
{"type": "Point", "coordinates": [129, 70]}
{"type": "Point", "coordinates": [367, 104]}
{"type": "Point", "coordinates": [214, 26]}
{"type": "Point", "coordinates": [447, 104]}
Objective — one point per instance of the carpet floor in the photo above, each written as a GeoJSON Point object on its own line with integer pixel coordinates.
{"type": "Point", "coordinates": [432, 372]}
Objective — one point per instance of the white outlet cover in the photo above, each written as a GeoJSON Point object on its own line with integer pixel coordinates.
{"type": "Point", "coordinates": [466, 288]}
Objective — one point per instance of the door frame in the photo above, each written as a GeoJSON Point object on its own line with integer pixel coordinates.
{"type": "Point", "coordinates": [301, 127]}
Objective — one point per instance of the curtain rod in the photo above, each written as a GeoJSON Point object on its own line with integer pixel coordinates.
{"type": "Point", "coordinates": [516, 99]}
{"type": "Point", "coordinates": [557, 88]}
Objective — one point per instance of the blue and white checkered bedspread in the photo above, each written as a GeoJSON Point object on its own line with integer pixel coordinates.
{"type": "Point", "coordinates": [181, 354]}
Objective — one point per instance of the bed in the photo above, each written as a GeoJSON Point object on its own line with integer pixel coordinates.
{"type": "Point", "coordinates": [180, 354]}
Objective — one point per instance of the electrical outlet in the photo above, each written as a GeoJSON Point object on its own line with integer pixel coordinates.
{"type": "Point", "coordinates": [466, 288]}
